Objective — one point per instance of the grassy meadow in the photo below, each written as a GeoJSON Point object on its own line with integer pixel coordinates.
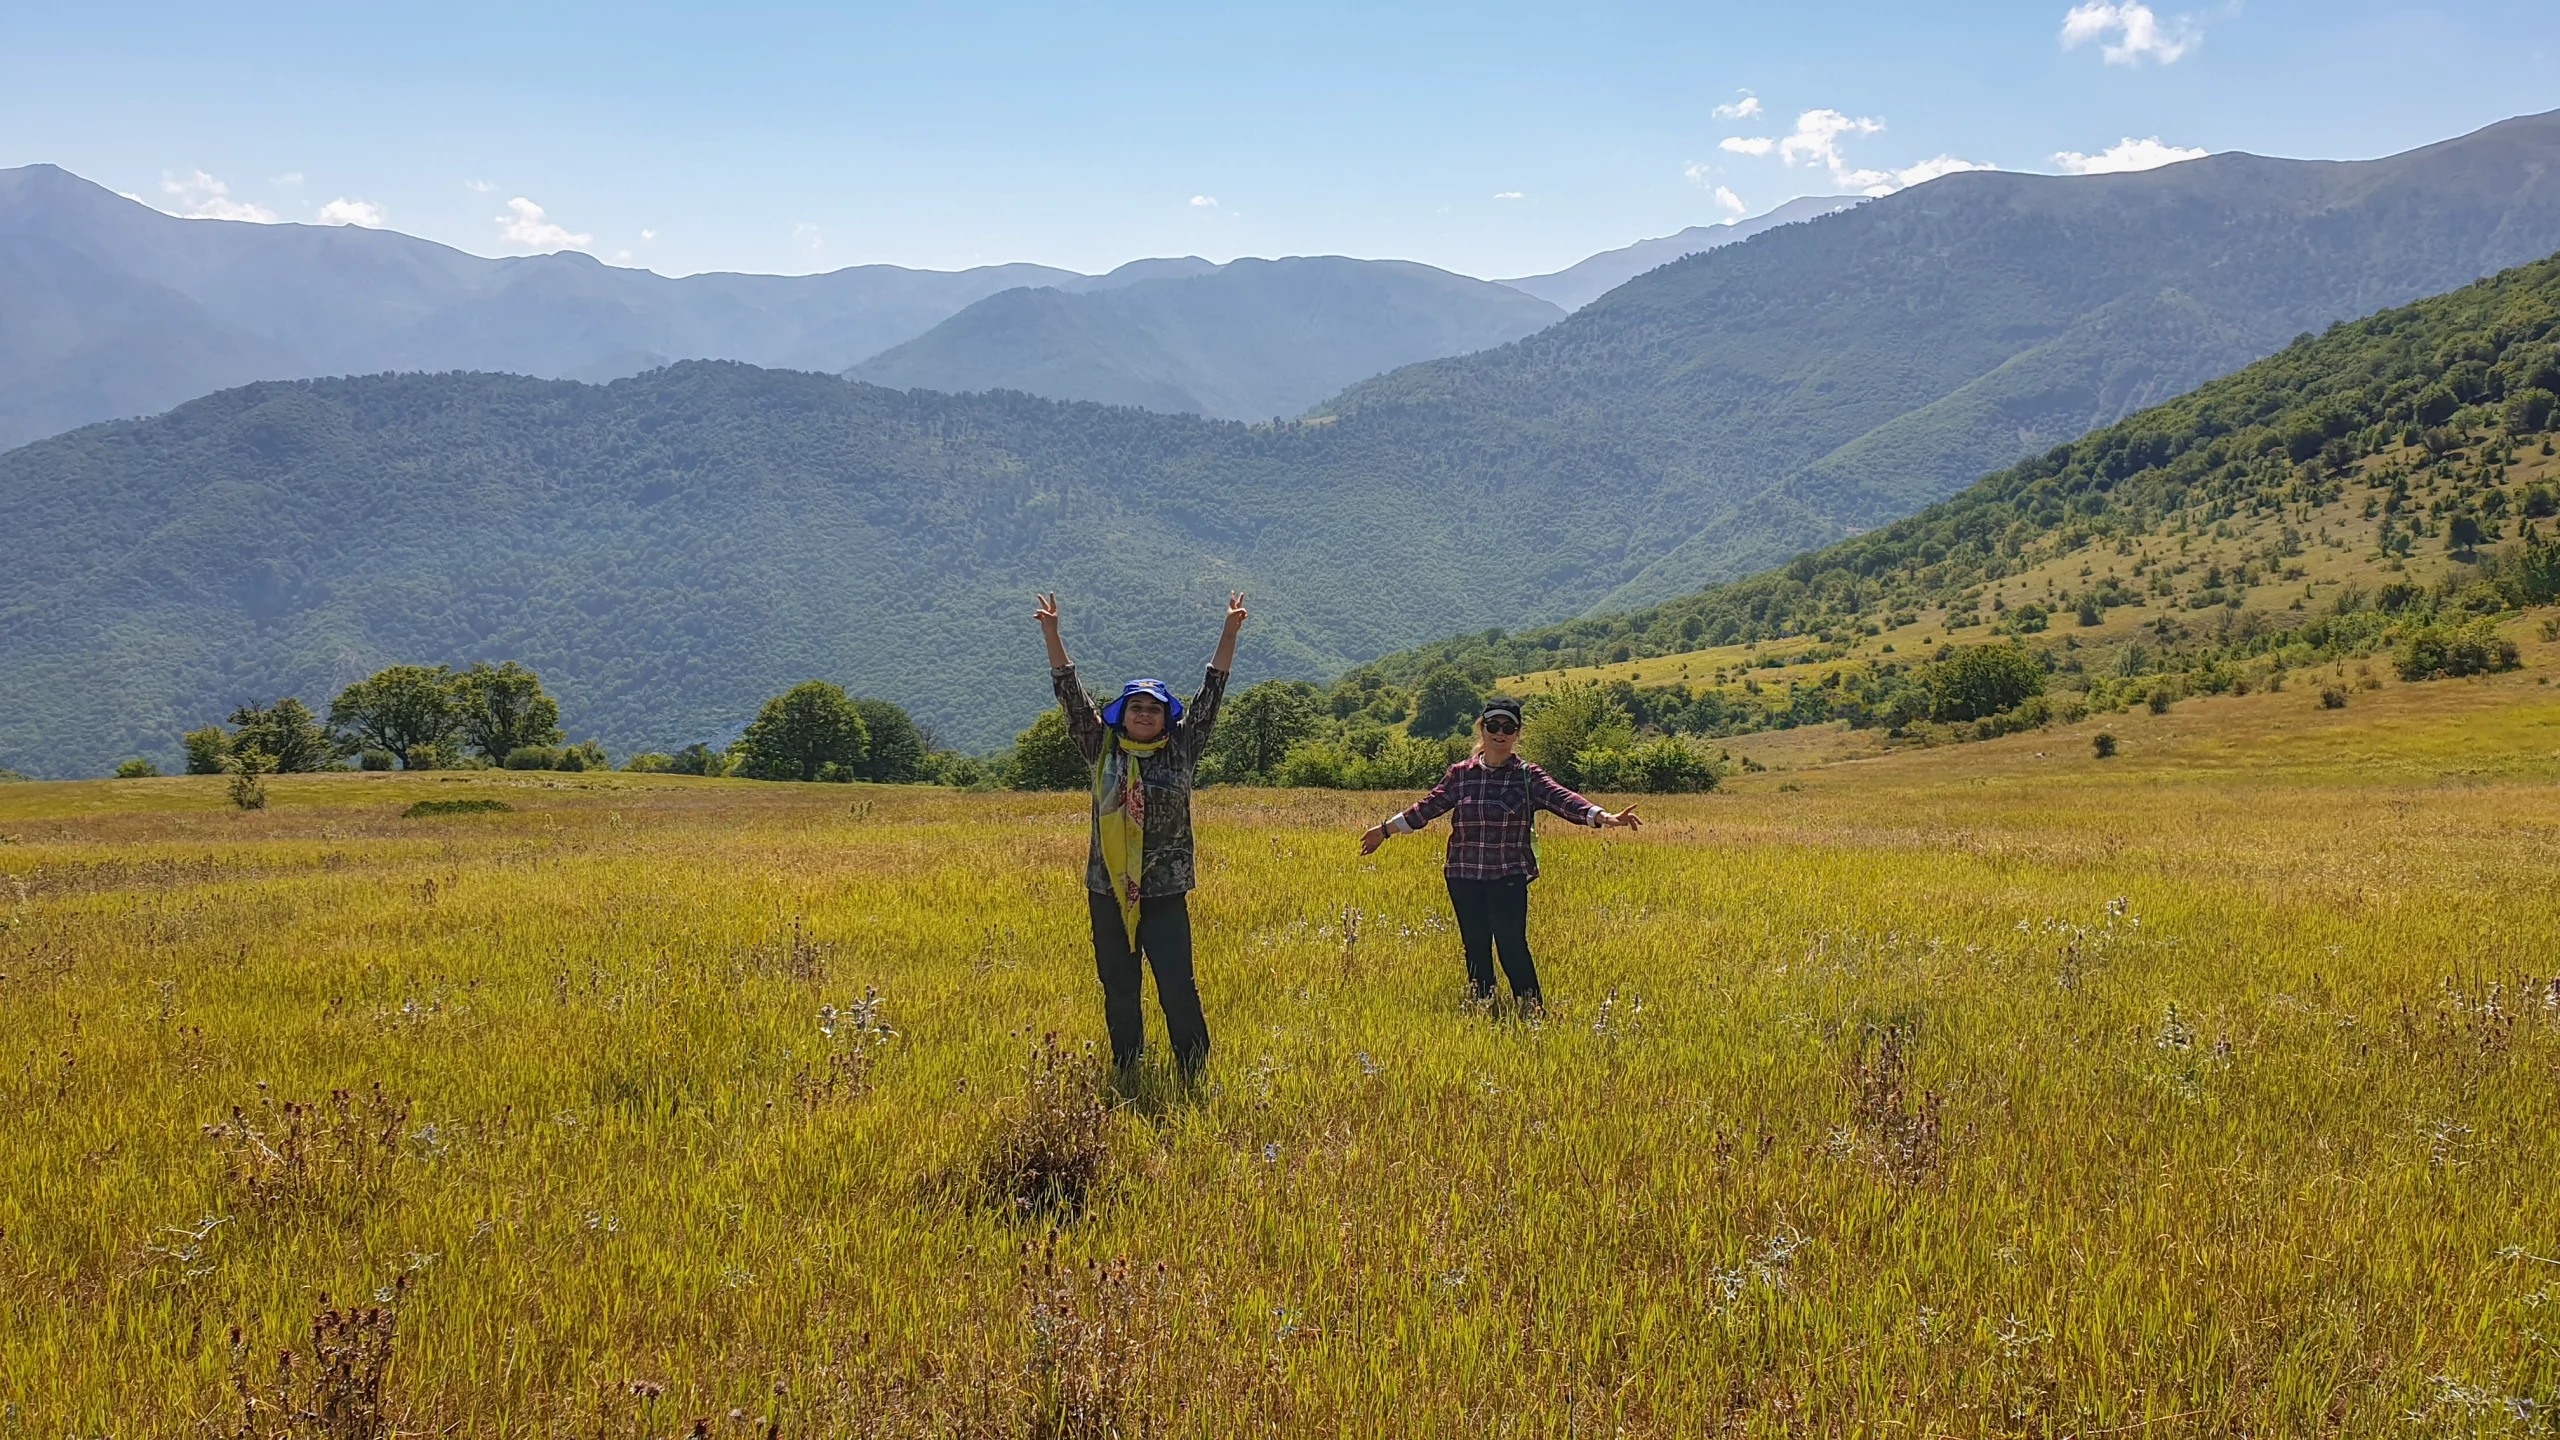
{"type": "Point", "coordinates": [1987, 1090]}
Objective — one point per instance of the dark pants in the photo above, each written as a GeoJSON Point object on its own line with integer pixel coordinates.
{"type": "Point", "coordinates": [1495, 914]}
{"type": "Point", "coordinates": [1164, 940]}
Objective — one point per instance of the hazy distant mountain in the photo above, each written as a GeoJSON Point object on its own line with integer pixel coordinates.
{"type": "Point", "coordinates": [109, 307]}
{"type": "Point", "coordinates": [1579, 284]}
{"type": "Point", "coordinates": [671, 549]}
{"type": "Point", "coordinates": [1249, 340]}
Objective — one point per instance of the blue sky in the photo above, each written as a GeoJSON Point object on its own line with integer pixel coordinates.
{"type": "Point", "coordinates": [1493, 139]}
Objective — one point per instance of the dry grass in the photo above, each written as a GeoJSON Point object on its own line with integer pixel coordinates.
{"type": "Point", "coordinates": [2208, 1089]}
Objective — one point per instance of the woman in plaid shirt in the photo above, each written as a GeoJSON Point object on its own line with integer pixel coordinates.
{"type": "Point", "coordinates": [1492, 799]}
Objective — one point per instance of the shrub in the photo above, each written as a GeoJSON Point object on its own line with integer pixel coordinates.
{"type": "Point", "coordinates": [2158, 700]}
{"type": "Point", "coordinates": [700, 759]}
{"type": "Point", "coordinates": [426, 808]}
{"type": "Point", "coordinates": [207, 749]}
{"type": "Point", "coordinates": [1664, 765]}
{"type": "Point", "coordinates": [649, 762]}
{"type": "Point", "coordinates": [376, 760]}
{"type": "Point", "coordinates": [1569, 720]}
{"type": "Point", "coordinates": [1975, 681]}
{"type": "Point", "coordinates": [2103, 745]}
{"type": "Point", "coordinates": [1257, 728]}
{"type": "Point", "coordinates": [1051, 1148]}
{"type": "Point", "coordinates": [1045, 757]}
{"type": "Point", "coordinates": [533, 757]}
{"type": "Point", "coordinates": [136, 769]}
{"type": "Point", "coordinates": [1316, 765]}
{"type": "Point", "coordinates": [2333, 697]}
{"type": "Point", "coordinates": [2450, 649]}
{"type": "Point", "coordinates": [249, 768]}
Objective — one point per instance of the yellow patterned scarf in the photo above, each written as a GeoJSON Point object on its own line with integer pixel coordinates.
{"type": "Point", "coordinates": [1120, 820]}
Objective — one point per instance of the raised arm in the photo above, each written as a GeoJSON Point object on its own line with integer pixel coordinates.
{"type": "Point", "coordinates": [1084, 725]}
{"type": "Point", "coordinates": [1225, 659]}
{"type": "Point", "coordinates": [1044, 609]}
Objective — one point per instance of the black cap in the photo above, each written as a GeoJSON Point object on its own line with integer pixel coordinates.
{"type": "Point", "coordinates": [1500, 705]}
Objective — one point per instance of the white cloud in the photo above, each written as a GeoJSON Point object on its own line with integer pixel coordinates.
{"type": "Point", "coordinates": [1204, 202]}
{"type": "Point", "coordinates": [288, 180]}
{"type": "Point", "coordinates": [478, 187]}
{"type": "Point", "coordinates": [2126, 154]}
{"type": "Point", "coordinates": [808, 237]}
{"type": "Point", "coordinates": [1508, 195]}
{"type": "Point", "coordinates": [648, 234]}
{"type": "Point", "coordinates": [201, 197]}
{"type": "Point", "coordinates": [2139, 33]}
{"type": "Point", "coordinates": [343, 211]}
{"type": "Point", "coordinates": [1888, 181]}
{"type": "Point", "coordinates": [1817, 138]}
{"type": "Point", "coordinates": [1742, 109]}
{"type": "Point", "coordinates": [529, 227]}
{"type": "Point", "coordinates": [1727, 200]}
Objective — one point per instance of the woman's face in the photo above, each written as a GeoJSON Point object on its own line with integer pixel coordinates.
{"type": "Point", "coordinates": [1142, 718]}
{"type": "Point", "coordinates": [1500, 735]}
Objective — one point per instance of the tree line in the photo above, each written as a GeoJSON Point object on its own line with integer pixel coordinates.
{"type": "Point", "coordinates": [433, 717]}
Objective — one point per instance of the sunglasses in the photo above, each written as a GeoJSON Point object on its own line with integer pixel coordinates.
{"type": "Point", "coordinates": [1501, 725]}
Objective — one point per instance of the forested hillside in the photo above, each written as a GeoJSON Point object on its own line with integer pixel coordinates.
{"type": "Point", "coordinates": [1251, 340]}
{"type": "Point", "coordinates": [2415, 443]}
{"type": "Point", "coordinates": [1830, 376]}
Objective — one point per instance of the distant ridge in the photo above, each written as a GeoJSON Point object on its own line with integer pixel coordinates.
{"type": "Point", "coordinates": [1250, 340]}
{"type": "Point", "coordinates": [1579, 284]}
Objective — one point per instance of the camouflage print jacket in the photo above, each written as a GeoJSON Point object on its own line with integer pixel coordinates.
{"type": "Point", "coordinates": [1166, 775]}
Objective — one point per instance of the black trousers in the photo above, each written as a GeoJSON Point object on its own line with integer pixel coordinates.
{"type": "Point", "coordinates": [1494, 914]}
{"type": "Point", "coordinates": [1164, 942]}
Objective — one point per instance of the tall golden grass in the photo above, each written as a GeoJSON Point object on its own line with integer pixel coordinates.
{"type": "Point", "coordinates": [2209, 1089]}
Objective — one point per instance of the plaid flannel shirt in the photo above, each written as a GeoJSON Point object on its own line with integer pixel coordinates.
{"type": "Point", "coordinates": [1492, 815]}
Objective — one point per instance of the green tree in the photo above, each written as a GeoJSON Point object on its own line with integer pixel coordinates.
{"type": "Point", "coordinates": [899, 754]}
{"type": "Point", "coordinates": [1256, 729]}
{"type": "Point", "coordinates": [1569, 720]}
{"type": "Point", "coordinates": [286, 732]}
{"type": "Point", "coordinates": [1978, 680]}
{"type": "Point", "coordinates": [1444, 703]}
{"type": "Point", "coordinates": [801, 732]}
{"type": "Point", "coordinates": [1045, 758]}
{"type": "Point", "coordinates": [207, 749]}
{"type": "Point", "coordinates": [503, 708]}
{"type": "Point", "coordinates": [406, 711]}
{"type": "Point", "coordinates": [136, 769]}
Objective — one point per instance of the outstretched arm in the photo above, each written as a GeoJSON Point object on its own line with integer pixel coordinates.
{"type": "Point", "coordinates": [1443, 798]}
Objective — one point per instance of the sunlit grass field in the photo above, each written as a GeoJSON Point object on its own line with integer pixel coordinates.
{"type": "Point", "coordinates": [2206, 1090]}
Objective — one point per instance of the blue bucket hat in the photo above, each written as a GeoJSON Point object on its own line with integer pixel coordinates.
{"type": "Point", "coordinates": [1173, 707]}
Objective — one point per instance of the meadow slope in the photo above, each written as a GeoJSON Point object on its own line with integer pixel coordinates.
{"type": "Point", "coordinates": [1991, 1089]}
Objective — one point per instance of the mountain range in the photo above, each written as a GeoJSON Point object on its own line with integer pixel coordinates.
{"type": "Point", "coordinates": [109, 308]}
{"type": "Point", "coordinates": [1587, 280]}
{"type": "Point", "coordinates": [1249, 340]}
{"type": "Point", "coordinates": [671, 548]}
